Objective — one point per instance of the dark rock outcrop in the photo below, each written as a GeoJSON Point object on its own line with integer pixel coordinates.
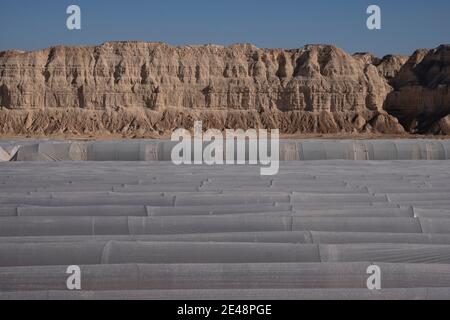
{"type": "Point", "coordinates": [421, 96]}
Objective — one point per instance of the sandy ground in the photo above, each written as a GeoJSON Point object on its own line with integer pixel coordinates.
{"type": "Point", "coordinates": [167, 136]}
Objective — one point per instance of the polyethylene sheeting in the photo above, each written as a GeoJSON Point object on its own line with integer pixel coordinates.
{"type": "Point", "coordinates": [375, 150]}
{"type": "Point", "coordinates": [117, 252]}
{"type": "Point", "coordinates": [435, 225]}
{"type": "Point", "coordinates": [217, 210]}
{"type": "Point", "coordinates": [373, 237]}
{"type": "Point", "coordinates": [237, 294]}
{"type": "Point", "coordinates": [82, 211]}
{"type": "Point", "coordinates": [123, 151]}
{"type": "Point", "coordinates": [395, 253]}
{"type": "Point", "coordinates": [8, 211]}
{"type": "Point", "coordinates": [225, 276]}
{"type": "Point", "coordinates": [90, 151]}
{"type": "Point", "coordinates": [290, 150]}
{"type": "Point", "coordinates": [38, 226]}
{"type": "Point", "coordinates": [207, 224]}
{"type": "Point", "coordinates": [54, 226]}
{"type": "Point", "coordinates": [263, 237]}
{"type": "Point", "coordinates": [388, 225]}
{"type": "Point", "coordinates": [317, 224]}
{"type": "Point", "coordinates": [122, 252]}
{"type": "Point", "coordinates": [44, 254]}
{"type": "Point", "coordinates": [317, 237]}
{"type": "Point", "coordinates": [191, 252]}
{"type": "Point", "coordinates": [53, 151]}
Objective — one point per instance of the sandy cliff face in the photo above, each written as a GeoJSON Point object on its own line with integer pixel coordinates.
{"type": "Point", "coordinates": [139, 88]}
{"type": "Point", "coordinates": [421, 99]}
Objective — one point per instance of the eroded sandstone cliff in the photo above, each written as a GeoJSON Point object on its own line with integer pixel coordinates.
{"type": "Point", "coordinates": [421, 99]}
{"type": "Point", "coordinates": [135, 89]}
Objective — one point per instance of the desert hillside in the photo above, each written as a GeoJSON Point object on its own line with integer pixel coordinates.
{"type": "Point", "coordinates": [138, 89]}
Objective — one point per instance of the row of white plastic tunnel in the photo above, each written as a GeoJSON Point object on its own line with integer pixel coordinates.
{"type": "Point", "coordinates": [153, 230]}
{"type": "Point", "coordinates": [161, 150]}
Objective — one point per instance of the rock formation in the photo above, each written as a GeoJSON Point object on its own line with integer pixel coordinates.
{"type": "Point", "coordinates": [421, 96]}
{"type": "Point", "coordinates": [137, 89]}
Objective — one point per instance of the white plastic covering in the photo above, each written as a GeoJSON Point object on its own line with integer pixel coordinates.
{"type": "Point", "coordinates": [290, 150]}
{"type": "Point", "coordinates": [156, 230]}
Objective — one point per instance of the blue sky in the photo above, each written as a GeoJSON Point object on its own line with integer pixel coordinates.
{"type": "Point", "coordinates": [406, 25]}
